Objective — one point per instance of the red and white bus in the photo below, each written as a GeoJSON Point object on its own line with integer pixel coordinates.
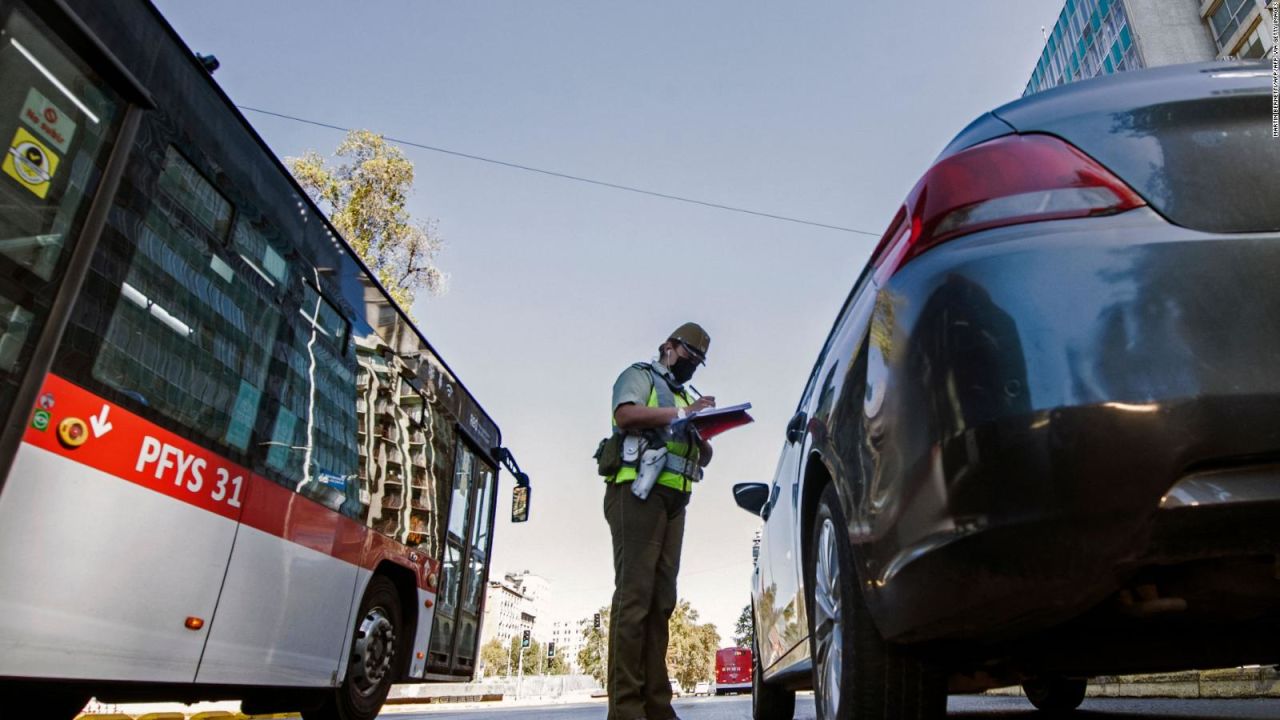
{"type": "Point", "coordinates": [733, 670]}
{"type": "Point", "coordinates": [230, 466]}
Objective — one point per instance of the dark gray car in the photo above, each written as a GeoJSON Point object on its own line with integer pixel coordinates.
{"type": "Point", "coordinates": [1042, 441]}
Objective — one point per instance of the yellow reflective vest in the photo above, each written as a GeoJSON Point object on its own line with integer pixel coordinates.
{"type": "Point", "coordinates": [670, 479]}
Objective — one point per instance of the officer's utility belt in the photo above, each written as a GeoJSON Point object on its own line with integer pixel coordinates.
{"type": "Point", "coordinates": [683, 466]}
{"type": "Point", "coordinates": [621, 450]}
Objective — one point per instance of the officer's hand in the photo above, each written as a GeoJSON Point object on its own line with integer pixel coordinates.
{"type": "Point", "coordinates": [703, 403]}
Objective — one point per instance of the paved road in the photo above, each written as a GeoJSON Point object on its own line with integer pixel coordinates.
{"type": "Point", "coordinates": [972, 707]}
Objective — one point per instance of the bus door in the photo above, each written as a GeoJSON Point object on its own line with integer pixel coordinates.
{"type": "Point", "coordinates": [455, 634]}
{"type": "Point", "coordinates": [58, 123]}
{"type": "Point", "coordinates": [103, 576]}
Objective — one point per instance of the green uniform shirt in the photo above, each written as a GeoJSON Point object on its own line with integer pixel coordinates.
{"type": "Point", "coordinates": [635, 385]}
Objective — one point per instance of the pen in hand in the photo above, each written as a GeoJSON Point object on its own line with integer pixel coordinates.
{"type": "Point", "coordinates": [710, 400]}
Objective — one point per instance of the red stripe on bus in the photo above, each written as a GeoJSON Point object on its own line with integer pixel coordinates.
{"type": "Point", "coordinates": [76, 424]}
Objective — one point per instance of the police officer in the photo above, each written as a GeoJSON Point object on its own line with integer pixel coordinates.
{"type": "Point", "coordinates": [648, 401]}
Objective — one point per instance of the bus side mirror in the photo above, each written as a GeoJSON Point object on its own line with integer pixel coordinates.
{"type": "Point", "coordinates": [751, 496]}
{"type": "Point", "coordinates": [520, 501]}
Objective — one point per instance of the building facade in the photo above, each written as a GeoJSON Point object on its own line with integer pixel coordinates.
{"type": "Point", "coordinates": [569, 640]}
{"type": "Point", "coordinates": [1099, 37]}
{"type": "Point", "coordinates": [513, 605]}
{"type": "Point", "coordinates": [503, 618]}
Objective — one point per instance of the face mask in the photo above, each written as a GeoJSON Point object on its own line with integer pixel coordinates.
{"type": "Point", "coordinates": [683, 369]}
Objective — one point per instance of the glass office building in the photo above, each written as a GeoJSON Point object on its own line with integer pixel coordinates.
{"type": "Point", "coordinates": [1099, 37]}
{"type": "Point", "coordinates": [1091, 38]}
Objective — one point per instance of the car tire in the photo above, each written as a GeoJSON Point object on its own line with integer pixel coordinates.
{"type": "Point", "coordinates": [374, 662]}
{"type": "Point", "coordinates": [768, 701]}
{"type": "Point", "coordinates": [856, 674]}
{"type": "Point", "coordinates": [1055, 693]}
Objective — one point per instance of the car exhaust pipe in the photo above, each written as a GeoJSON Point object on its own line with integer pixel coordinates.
{"type": "Point", "coordinates": [1144, 601]}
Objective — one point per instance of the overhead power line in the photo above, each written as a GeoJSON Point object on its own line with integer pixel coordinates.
{"type": "Point", "coordinates": [567, 176]}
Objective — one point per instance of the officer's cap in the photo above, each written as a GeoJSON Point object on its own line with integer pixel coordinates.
{"type": "Point", "coordinates": [692, 336]}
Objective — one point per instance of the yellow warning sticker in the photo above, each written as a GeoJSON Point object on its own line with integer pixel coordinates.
{"type": "Point", "coordinates": [30, 162]}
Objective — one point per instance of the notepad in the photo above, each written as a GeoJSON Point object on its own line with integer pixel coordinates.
{"type": "Point", "coordinates": [713, 421]}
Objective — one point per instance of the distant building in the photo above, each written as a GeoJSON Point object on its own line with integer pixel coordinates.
{"type": "Point", "coordinates": [1240, 28]}
{"type": "Point", "coordinates": [535, 590]}
{"type": "Point", "coordinates": [512, 606]}
{"type": "Point", "coordinates": [1099, 37]}
{"type": "Point", "coordinates": [502, 613]}
{"type": "Point", "coordinates": [567, 635]}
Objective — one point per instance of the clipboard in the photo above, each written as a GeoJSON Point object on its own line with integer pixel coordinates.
{"type": "Point", "coordinates": [710, 423]}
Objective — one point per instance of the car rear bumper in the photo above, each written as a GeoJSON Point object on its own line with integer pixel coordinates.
{"type": "Point", "coordinates": [1045, 404]}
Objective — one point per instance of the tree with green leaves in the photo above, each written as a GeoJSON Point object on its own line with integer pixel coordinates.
{"type": "Point", "coordinates": [493, 658]}
{"type": "Point", "coordinates": [691, 654]}
{"type": "Point", "coordinates": [593, 657]}
{"type": "Point", "coordinates": [366, 196]}
{"type": "Point", "coordinates": [744, 630]}
{"type": "Point", "coordinates": [498, 660]}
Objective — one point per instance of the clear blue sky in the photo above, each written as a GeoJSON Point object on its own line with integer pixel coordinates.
{"type": "Point", "coordinates": [827, 111]}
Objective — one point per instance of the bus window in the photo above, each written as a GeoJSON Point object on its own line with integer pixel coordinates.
{"type": "Point", "coordinates": [184, 185]}
{"type": "Point", "coordinates": [57, 122]}
{"type": "Point", "coordinates": [309, 447]}
{"type": "Point", "coordinates": [254, 243]}
{"type": "Point", "coordinates": [189, 337]}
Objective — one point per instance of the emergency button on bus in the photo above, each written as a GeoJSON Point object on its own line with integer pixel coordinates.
{"type": "Point", "coordinates": [73, 432]}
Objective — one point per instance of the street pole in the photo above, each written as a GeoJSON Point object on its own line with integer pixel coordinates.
{"type": "Point", "coordinates": [520, 677]}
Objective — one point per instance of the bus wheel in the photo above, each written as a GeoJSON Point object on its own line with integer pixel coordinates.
{"type": "Point", "coordinates": [373, 665]}
{"type": "Point", "coordinates": [55, 701]}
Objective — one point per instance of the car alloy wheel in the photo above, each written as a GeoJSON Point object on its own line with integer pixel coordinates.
{"type": "Point", "coordinates": [828, 623]}
{"type": "Point", "coordinates": [856, 674]}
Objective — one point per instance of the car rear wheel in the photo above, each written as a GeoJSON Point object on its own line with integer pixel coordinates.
{"type": "Point", "coordinates": [768, 701]}
{"type": "Point", "coordinates": [856, 674]}
{"type": "Point", "coordinates": [1055, 693]}
{"type": "Point", "coordinates": [373, 665]}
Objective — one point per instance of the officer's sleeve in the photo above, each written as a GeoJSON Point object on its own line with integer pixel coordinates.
{"type": "Point", "coordinates": [632, 386]}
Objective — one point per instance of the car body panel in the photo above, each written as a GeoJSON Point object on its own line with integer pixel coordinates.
{"type": "Point", "coordinates": [1194, 141]}
{"type": "Point", "coordinates": [1005, 418]}
{"type": "Point", "coordinates": [780, 608]}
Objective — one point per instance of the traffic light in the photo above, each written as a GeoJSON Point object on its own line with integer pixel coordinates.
{"type": "Point", "coordinates": [551, 649]}
{"type": "Point", "coordinates": [524, 639]}
{"type": "Point", "coordinates": [596, 623]}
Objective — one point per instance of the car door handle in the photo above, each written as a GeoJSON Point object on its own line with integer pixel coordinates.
{"type": "Point", "coordinates": [795, 428]}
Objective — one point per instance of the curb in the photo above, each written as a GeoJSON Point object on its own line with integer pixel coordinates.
{"type": "Point", "coordinates": [388, 709]}
{"type": "Point", "coordinates": [1262, 682]}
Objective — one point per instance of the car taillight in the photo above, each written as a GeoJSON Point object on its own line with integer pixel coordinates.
{"type": "Point", "coordinates": [1010, 180]}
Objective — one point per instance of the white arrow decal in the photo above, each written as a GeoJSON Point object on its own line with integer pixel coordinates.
{"type": "Point", "coordinates": [99, 422]}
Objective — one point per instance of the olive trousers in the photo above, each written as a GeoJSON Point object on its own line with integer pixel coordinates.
{"type": "Point", "coordinates": [646, 557]}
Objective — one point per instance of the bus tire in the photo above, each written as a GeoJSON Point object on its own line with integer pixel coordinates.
{"type": "Point", "coordinates": [53, 701]}
{"type": "Point", "coordinates": [373, 663]}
